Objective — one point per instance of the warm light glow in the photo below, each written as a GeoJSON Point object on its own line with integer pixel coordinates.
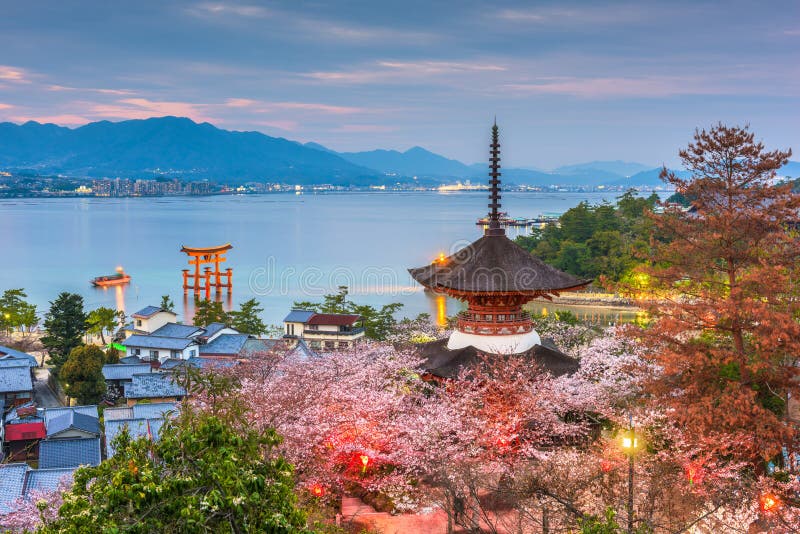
{"type": "Point", "coordinates": [628, 442]}
{"type": "Point", "coordinates": [119, 269]}
{"type": "Point", "coordinates": [317, 490]}
{"type": "Point", "coordinates": [441, 310]}
{"type": "Point", "coordinates": [364, 460]}
{"type": "Point", "coordinates": [768, 502]}
{"type": "Point", "coordinates": [606, 466]}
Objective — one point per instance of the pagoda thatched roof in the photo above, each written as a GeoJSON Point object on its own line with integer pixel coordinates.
{"type": "Point", "coordinates": [492, 265]}
{"type": "Point", "coordinates": [442, 362]}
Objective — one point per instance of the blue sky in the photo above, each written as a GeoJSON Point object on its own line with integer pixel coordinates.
{"type": "Point", "coordinates": [568, 81]}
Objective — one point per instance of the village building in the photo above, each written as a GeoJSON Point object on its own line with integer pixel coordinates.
{"type": "Point", "coordinates": [140, 420]}
{"type": "Point", "coordinates": [16, 383]}
{"type": "Point", "coordinates": [153, 388]}
{"type": "Point", "coordinates": [148, 320]}
{"type": "Point", "coordinates": [496, 277]}
{"type": "Point", "coordinates": [323, 331]}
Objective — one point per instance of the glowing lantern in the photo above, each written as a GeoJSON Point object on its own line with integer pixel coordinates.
{"type": "Point", "coordinates": [769, 502]}
{"type": "Point", "coordinates": [605, 466]}
{"type": "Point", "coordinates": [317, 490]}
{"type": "Point", "coordinates": [694, 474]}
{"type": "Point", "coordinates": [364, 462]}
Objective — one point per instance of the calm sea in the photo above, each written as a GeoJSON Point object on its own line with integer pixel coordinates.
{"type": "Point", "coordinates": [286, 247]}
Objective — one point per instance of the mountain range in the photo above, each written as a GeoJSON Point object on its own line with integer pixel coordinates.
{"type": "Point", "coordinates": [180, 147]}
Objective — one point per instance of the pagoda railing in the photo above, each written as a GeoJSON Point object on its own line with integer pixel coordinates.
{"type": "Point", "coordinates": [494, 324]}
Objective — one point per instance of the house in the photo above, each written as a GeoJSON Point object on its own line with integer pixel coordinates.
{"type": "Point", "coordinates": [7, 353]}
{"type": "Point", "coordinates": [65, 453]}
{"type": "Point", "coordinates": [323, 331]}
{"type": "Point", "coordinates": [24, 428]}
{"type": "Point", "coordinates": [72, 424]}
{"type": "Point", "coordinates": [148, 320]}
{"type": "Point", "coordinates": [119, 374]}
{"type": "Point", "coordinates": [16, 385]}
{"type": "Point", "coordinates": [18, 480]}
{"type": "Point", "coordinates": [153, 387]}
{"type": "Point", "coordinates": [156, 349]}
{"type": "Point", "coordinates": [140, 420]}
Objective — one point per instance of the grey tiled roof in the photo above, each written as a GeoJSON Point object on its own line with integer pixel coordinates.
{"type": "Point", "coordinates": [147, 311]}
{"type": "Point", "coordinates": [15, 379]}
{"type": "Point", "coordinates": [47, 479]}
{"type": "Point", "coordinates": [12, 483]}
{"type": "Point", "coordinates": [206, 363]}
{"type": "Point", "coordinates": [229, 344]}
{"type": "Point", "coordinates": [137, 428]}
{"type": "Point", "coordinates": [51, 413]}
{"type": "Point", "coordinates": [153, 385]}
{"type": "Point", "coordinates": [6, 352]}
{"type": "Point", "coordinates": [252, 346]}
{"type": "Point", "coordinates": [128, 360]}
{"type": "Point", "coordinates": [153, 410]}
{"type": "Point", "coordinates": [56, 453]}
{"type": "Point", "coordinates": [13, 415]}
{"type": "Point", "coordinates": [298, 316]}
{"type": "Point", "coordinates": [172, 363]}
{"type": "Point", "coordinates": [122, 371]}
{"type": "Point", "coordinates": [157, 342]}
{"type": "Point", "coordinates": [177, 330]}
{"type": "Point", "coordinates": [302, 350]}
{"type": "Point", "coordinates": [213, 328]}
{"type": "Point", "coordinates": [115, 414]}
{"type": "Point", "coordinates": [18, 361]}
{"type": "Point", "coordinates": [73, 420]}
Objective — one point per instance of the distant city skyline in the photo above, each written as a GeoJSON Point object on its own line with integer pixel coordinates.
{"type": "Point", "coordinates": [569, 82]}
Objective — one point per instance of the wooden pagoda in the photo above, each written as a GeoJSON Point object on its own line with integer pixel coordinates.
{"type": "Point", "coordinates": [202, 282]}
{"type": "Point", "coordinates": [496, 277]}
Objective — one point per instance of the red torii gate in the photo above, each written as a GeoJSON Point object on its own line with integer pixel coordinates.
{"type": "Point", "coordinates": [202, 282]}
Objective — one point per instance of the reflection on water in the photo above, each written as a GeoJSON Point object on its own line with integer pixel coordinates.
{"type": "Point", "coordinates": [119, 298]}
{"type": "Point", "coordinates": [598, 315]}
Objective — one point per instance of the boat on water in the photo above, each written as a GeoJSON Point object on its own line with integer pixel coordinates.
{"type": "Point", "coordinates": [505, 220]}
{"type": "Point", "coordinates": [117, 279]}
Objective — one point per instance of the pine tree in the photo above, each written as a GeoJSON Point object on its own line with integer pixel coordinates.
{"type": "Point", "coordinates": [724, 304]}
{"type": "Point", "coordinates": [65, 323]}
{"type": "Point", "coordinates": [247, 319]}
{"type": "Point", "coordinates": [209, 311]}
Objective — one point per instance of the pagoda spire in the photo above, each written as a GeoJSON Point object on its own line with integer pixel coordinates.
{"type": "Point", "coordinates": [494, 228]}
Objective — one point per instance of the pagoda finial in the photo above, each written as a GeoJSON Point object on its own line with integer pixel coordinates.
{"type": "Point", "coordinates": [494, 228]}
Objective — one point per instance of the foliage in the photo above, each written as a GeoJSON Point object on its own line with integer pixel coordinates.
{"type": "Point", "coordinates": [247, 319]}
{"type": "Point", "coordinates": [102, 320]}
{"type": "Point", "coordinates": [209, 311]}
{"type": "Point", "coordinates": [210, 471]}
{"type": "Point", "coordinates": [112, 355]}
{"type": "Point", "coordinates": [82, 374]}
{"type": "Point", "coordinates": [15, 312]}
{"type": "Point", "coordinates": [167, 304]}
{"type": "Point", "coordinates": [723, 299]}
{"type": "Point", "coordinates": [416, 331]}
{"type": "Point", "coordinates": [595, 241]}
{"type": "Point", "coordinates": [378, 323]}
{"type": "Point", "coordinates": [65, 323]}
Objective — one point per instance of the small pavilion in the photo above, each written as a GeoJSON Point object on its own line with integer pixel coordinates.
{"type": "Point", "coordinates": [496, 277]}
{"type": "Point", "coordinates": [202, 282]}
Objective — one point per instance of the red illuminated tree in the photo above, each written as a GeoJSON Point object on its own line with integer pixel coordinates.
{"type": "Point", "coordinates": [723, 297]}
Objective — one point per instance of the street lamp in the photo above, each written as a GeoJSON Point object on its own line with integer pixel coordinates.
{"type": "Point", "coordinates": [630, 443]}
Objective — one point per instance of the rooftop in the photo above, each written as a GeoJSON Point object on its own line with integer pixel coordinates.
{"type": "Point", "coordinates": [60, 453]}
{"type": "Point", "coordinates": [7, 353]}
{"type": "Point", "coordinates": [48, 479]}
{"type": "Point", "coordinates": [153, 385]}
{"type": "Point", "coordinates": [149, 311]}
{"type": "Point", "coordinates": [123, 371]}
{"type": "Point", "coordinates": [51, 413]}
{"type": "Point", "coordinates": [213, 328]}
{"type": "Point", "coordinates": [12, 483]}
{"type": "Point", "coordinates": [225, 344]}
{"type": "Point", "coordinates": [73, 420]}
{"type": "Point", "coordinates": [178, 330]}
{"type": "Point", "coordinates": [335, 319]}
{"type": "Point", "coordinates": [157, 342]}
{"type": "Point", "coordinates": [298, 316]}
{"type": "Point", "coordinates": [15, 379]}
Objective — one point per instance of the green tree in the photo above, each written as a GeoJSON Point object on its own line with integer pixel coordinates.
{"type": "Point", "coordinates": [167, 304]}
{"type": "Point", "coordinates": [112, 355]}
{"type": "Point", "coordinates": [103, 320]}
{"type": "Point", "coordinates": [15, 312]}
{"type": "Point", "coordinates": [210, 471]}
{"type": "Point", "coordinates": [82, 374]}
{"type": "Point", "coordinates": [65, 323]}
{"type": "Point", "coordinates": [209, 311]}
{"type": "Point", "coordinates": [247, 319]}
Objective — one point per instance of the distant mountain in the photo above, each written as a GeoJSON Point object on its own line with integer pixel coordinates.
{"type": "Point", "coordinates": [617, 167]}
{"type": "Point", "coordinates": [648, 178]}
{"type": "Point", "coordinates": [413, 162]}
{"type": "Point", "coordinates": [171, 145]}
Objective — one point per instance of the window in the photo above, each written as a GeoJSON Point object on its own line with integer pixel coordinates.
{"type": "Point", "coordinates": [136, 352]}
{"type": "Point", "coordinates": [153, 354]}
{"type": "Point", "coordinates": [312, 327]}
{"type": "Point", "coordinates": [138, 322]}
{"type": "Point", "coordinates": [192, 353]}
{"type": "Point", "coordinates": [329, 345]}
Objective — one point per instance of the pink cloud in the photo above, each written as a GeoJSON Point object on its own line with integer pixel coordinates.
{"type": "Point", "coordinates": [240, 102]}
{"type": "Point", "coordinates": [142, 108]}
{"type": "Point", "coordinates": [404, 71]}
{"type": "Point", "coordinates": [119, 92]}
{"type": "Point", "coordinates": [363, 128]}
{"type": "Point", "coordinates": [5, 106]}
{"type": "Point", "coordinates": [13, 74]}
{"type": "Point", "coordinates": [649, 86]}
{"type": "Point", "coordinates": [65, 119]}
{"type": "Point", "coordinates": [287, 125]}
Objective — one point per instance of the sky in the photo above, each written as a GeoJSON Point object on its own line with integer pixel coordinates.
{"type": "Point", "coordinates": [568, 81]}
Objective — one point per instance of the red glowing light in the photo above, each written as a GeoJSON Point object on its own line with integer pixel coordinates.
{"type": "Point", "coordinates": [364, 460]}
{"type": "Point", "coordinates": [317, 490]}
{"type": "Point", "coordinates": [768, 502]}
{"type": "Point", "coordinates": [606, 466]}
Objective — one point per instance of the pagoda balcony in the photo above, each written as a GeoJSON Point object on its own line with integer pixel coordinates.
{"type": "Point", "coordinates": [494, 324]}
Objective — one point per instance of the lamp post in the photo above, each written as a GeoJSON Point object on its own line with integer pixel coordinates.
{"type": "Point", "coordinates": [630, 443]}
